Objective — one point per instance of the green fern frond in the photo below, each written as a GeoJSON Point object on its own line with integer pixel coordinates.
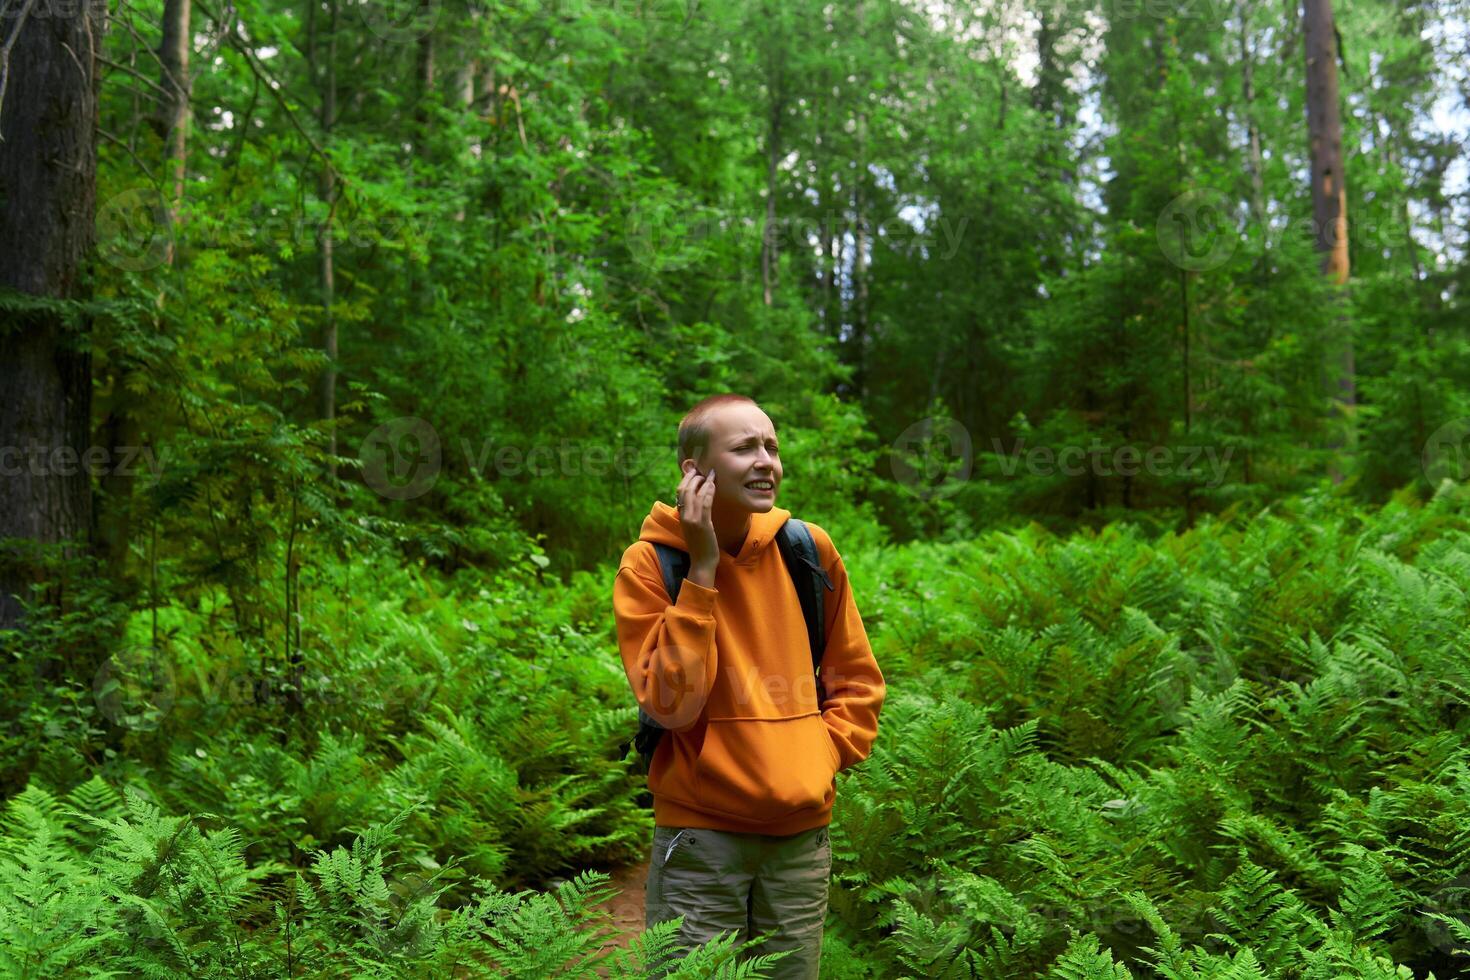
{"type": "Point", "coordinates": [1370, 903]}
{"type": "Point", "coordinates": [1085, 959]}
{"type": "Point", "coordinates": [1244, 966]}
{"type": "Point", "coordinates": [1169, 956]}
{"type": "Point", "coordinates": [53, 911]}
{"type": "Point", "coordinates": [925, 945]}
{"type": "Point", "coordinates": [28, 812]}
{"type": "Point", "coordinates": [97, 797]}
{"type": "Point", "coordinates": [726, 958]}
{"type": "Point", "coordinates": [1458, 930]}
{"type": "Point", "coordinates": [651, 951]}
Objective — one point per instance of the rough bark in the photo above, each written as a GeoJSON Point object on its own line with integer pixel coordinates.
{"type": "Point", "coordinates": [174, 56]}
{"type": "Point", "coordinates": [1329, 211]}
{"type": "Point", "coordinates": [48, 167]}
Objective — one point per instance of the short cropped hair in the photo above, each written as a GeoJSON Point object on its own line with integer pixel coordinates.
{"type": "Point", "coordinates": [694, 428]}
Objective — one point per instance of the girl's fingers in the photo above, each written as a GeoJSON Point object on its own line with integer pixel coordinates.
{"type": "Point", "coordinates": [687, 484]}
{"type": "Point", "coordinates": [698, 490]}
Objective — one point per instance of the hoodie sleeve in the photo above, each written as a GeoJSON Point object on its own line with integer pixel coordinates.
{"type": "Point", "coordinates": [850, 676]}
{"type": "Point", "coordinates": [668, 650]}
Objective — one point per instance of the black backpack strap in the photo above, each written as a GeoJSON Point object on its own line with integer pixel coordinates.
{"type": "Point", "coordinates": [675, 566]}
{"type": "Point", "coordinates": [799, 551]}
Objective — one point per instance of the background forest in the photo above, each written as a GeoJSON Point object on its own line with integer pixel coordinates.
{"type": "Point", "coordinates": [1121, 346]}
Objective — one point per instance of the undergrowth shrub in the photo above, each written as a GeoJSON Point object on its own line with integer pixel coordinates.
{"type": "Point", "coordinates": [96, 885]}
{"type": "Point", "coordinates": [1238, 750]}
{"type": "Point", "coordinates": [1234, 751]}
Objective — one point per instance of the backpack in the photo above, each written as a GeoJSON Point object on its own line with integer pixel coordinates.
{"type": "Point", "coordinates": [799, 552]}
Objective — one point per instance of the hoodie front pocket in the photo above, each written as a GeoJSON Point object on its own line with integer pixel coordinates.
{"type": "Point", "coordinates": [766, 768]}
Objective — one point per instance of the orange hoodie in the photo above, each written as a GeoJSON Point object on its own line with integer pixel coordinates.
{"type": "Point", "coordinates": [728, 671]}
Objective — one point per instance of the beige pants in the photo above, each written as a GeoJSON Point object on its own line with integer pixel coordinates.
{"type": "Point", "coordinates": [749, 883]}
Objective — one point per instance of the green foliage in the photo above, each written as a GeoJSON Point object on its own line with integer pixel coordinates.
{"type": "Point", "coordinates": [1203, 720]}
{"type": "Point", "coordinates": [1233, 751]}
{"type": "Point", "coordinates": [161, 896]}
{"type": "Point", "coordinates": [1104, 755]}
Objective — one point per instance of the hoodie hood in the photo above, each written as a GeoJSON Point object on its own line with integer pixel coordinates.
{"type": "Point", "coordinates": [662, 526]}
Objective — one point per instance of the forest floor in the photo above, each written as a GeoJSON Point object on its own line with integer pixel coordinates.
{"type": "Point", "coordinates": [626, 907]}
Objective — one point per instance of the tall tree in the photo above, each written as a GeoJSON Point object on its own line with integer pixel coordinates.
{"type": "Point", "coordinates": [860, 229]}
{"type": "Point", "coordinates": [122, 427]}
{"type": "Point", "coordinates": [1243, 9]}
{"type": "Point", "coordinates": [325, 63]}
{"type": "Point", "coordinates": [48, 166]}
{"type": "Point", "coordinates": [773, 59]}
{"type": "Point", "coordinates": [1329, 205]}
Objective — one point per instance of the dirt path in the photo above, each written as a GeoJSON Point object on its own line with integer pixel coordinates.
{"type": "Point", "coordinates": [626, 907]}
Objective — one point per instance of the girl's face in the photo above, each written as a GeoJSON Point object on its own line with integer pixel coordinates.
{"type": "Point", "coordinates": [743, 453]}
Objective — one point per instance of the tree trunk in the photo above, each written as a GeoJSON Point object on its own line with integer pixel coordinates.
{"type": "Point", "coordinates": [326, 188]}
{"type": "Point", "coordinates": [827, 177]}
{"type": "Point", "coordinates": [1253, 130]}
{"type": "Point", "coordinates": [860, 231]}
{"type": "Point", "coordinates": [174, 56]}
{"type": "Point", "coordinates": [839, 259]}
{"type": "Point", "coordinates": [1046, 94]}
{"type": "Point", "coordinates": [122, 430]}
{"type": "Point", "coordinates": [826, 269]}
{"type": "Point", "coordinates": [48, 170]}
{"type": "Point", "coordinates": [420, 283]}
{"type": "Point", "coordinates": [1329, 212]}
{"type": "Point", "coordinates": [773, 59]}
{"type": "Point", "coordinates": [769, 243]}
{"type": "Point", "coordinates": [464, 90]}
